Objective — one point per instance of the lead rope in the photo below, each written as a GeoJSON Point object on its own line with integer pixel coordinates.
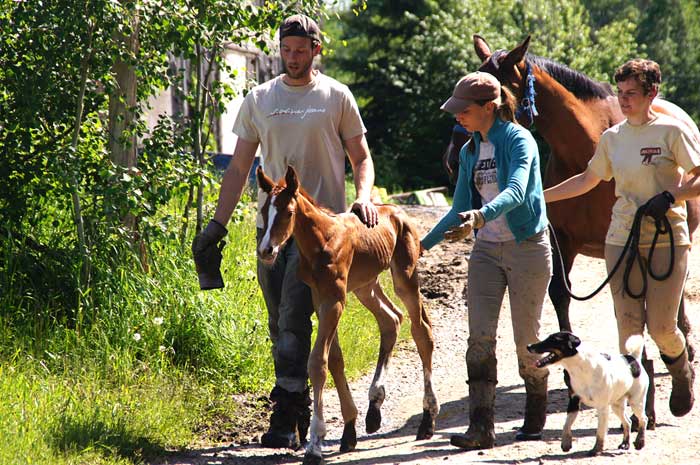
{"type": "Point", "coordinates": [632, 246]}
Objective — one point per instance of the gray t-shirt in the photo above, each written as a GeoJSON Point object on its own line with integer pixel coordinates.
{"type": "Point", "coordinates": [486, 182]}
{"type": "Point", "coordinates": [304, 127]}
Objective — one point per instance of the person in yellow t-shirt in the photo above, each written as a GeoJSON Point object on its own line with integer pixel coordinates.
{"type": "Point", "coordinates": [647, 155]}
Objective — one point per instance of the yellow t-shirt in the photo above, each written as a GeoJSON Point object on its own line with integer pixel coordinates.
{"type": "Point", "coordinates": [645, 160]}
{"type": "Point", "coordinates": [302, 126]}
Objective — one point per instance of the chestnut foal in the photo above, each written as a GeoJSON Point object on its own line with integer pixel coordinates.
{"type": "Point", "coordinates": [339, 254]}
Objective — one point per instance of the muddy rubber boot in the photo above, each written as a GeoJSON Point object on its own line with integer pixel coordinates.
{"type": "Point", "coordinates": [282, 432]}
{"type": "Point", "coordinates": [480, 434]}
{"type": "Point", "coordinates": [535, 410]}
{"type": "Point", "coordinates": [682, 378]}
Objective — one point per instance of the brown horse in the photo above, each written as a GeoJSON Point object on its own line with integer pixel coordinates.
{"type": "Point", "coordinates": [339, 254]}
{"type": "Point", "coordinates": [573, 111]}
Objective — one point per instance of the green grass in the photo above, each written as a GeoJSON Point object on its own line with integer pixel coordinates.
{"type": "Point", "coordinates": [148, 363]}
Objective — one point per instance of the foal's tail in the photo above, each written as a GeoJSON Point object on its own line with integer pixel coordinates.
{"type": "Point", "coordinates": [634, 346]}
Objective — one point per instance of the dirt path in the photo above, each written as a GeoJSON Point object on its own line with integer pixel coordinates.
{"type": "Point", "coordinates": [444, 275]}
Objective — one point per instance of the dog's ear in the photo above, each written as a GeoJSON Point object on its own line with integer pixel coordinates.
{"type": "Point", "coordinates": [574, 341]}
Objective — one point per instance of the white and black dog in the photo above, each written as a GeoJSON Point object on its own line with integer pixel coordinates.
{"type": "Point", "coordinates": [600, 381]}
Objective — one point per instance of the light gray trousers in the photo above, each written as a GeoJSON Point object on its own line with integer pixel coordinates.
{"type": "Point", "coordinates": [525, 269]}
{"type": "Point", "coordinates": [658, 310]}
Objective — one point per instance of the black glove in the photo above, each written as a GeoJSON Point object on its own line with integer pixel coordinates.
{"type": "Point", "coordinates": [658, 205]}
{"type": "Point", "coordinates": [206, 250]}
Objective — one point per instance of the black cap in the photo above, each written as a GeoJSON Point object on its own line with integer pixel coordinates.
{"type": "Point", "coordinates": [300, 26]}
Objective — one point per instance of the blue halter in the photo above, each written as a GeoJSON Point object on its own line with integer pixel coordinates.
{"type": "Point", "coordinates": [527, 104]}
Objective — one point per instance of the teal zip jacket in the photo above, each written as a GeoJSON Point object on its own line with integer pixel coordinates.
{"type": "Point", "coordinates": [518, 175]}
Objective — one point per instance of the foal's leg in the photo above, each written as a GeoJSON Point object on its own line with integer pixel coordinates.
{"type": "Point", "coordinates": [389, 320]}
{"type": "Point", "coordinates": [406, 284]}
{"type": "Point", "coordinates": [336, 364]}
{"type": "Point", "coordinates": [328, 312]}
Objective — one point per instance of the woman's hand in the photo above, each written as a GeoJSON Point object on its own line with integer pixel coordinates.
{"type": "Point", "coordinates": [658, 205]}
{"type": "Point", "coordinates": [472, 219]}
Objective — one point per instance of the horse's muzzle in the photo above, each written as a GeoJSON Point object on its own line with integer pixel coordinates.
{"type": "Point", "coordinates": [268, 255]}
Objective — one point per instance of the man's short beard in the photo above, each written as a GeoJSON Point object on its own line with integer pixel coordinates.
{"type": "Point", "coordinates": [303, 72]}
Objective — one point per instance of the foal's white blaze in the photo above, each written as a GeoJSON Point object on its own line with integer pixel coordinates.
{"type": "Point", "coordinates": [271, 214]}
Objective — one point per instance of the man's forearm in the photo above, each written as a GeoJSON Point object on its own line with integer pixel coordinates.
{"type": "Point", "coordinates": [234, 180]}
{"type": "Point", "coordinates": [232, 186]}
{"type": "Point", "coordinates": [363, 176]}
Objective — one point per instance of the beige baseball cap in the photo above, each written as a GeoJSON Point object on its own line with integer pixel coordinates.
{"type": "Point", "coordinates": [472, 87]}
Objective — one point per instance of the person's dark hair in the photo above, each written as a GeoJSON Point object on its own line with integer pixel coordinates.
{"type": "Point", "coordinates": [645, 72]}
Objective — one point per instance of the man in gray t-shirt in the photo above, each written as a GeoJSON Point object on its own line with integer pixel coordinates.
{"type": "Point", "coordinates": [309, 121]}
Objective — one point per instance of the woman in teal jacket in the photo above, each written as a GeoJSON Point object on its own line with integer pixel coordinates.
{"type": "Point", "coordinates": [499, 196]}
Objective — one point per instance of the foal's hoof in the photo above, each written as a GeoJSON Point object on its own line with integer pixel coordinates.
{"type": "Point", "coordinates": [427, 426]}
{"type": "Point", "coordinates": [639, 443]}
{"type": "Point", "coordinates": [624, 445]}
{"type": "Point", "coordinates": [374, 418]}
{"type": "Point", "coordinates": [349, 439]}
{"type": "Point", "coordinates": [311, 459]}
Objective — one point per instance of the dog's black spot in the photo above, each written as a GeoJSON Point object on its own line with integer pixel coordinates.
{"type": "Point", "coordinates": [634, 366]}
{"type": "Point", "coordinates": [606, 356]}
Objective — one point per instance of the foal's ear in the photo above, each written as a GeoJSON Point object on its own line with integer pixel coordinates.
{"type": "Point", "coordinates": [517, 55]}
{"type": "Point", "coordinates": [291, 179]}
{"type": "Point", "coordinates": [265, 183]}
{"type": "Point", "coordinates": [481, 47]}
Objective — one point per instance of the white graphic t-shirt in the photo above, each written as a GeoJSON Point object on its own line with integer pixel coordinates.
{"type": "Point", "coordinates": [645, 160]}
{"type": "Point", "coordinates": [304, 127]}
{"type": "Point", "coordinates": [486, 183]}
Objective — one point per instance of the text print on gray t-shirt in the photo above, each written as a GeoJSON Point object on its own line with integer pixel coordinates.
{"type": "Point", "coordinates": [486, 182]}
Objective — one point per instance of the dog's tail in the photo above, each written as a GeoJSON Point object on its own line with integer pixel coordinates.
{"type": "Point", "coordinates": [635, 345]}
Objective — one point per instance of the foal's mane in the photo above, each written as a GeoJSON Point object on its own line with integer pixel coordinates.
{"type": "Point", "coordinates": [282, 185]}
{"type": "Point", "coordinates": [582, 86]}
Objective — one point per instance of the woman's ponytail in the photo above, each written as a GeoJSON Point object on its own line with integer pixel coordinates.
{"type": "Point", "coordinates": [506, 109]}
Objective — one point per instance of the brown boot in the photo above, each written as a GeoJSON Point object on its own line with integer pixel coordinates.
{"type": "Point", "coordinates": [480, 434]}
{"type": "Point", "coordinates": [535, 410]}
{"type": "Point", "coordinates": [682, 377]}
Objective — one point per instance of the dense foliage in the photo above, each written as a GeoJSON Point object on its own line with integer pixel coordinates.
{"type": "Point", "coordinates": [402, 58]}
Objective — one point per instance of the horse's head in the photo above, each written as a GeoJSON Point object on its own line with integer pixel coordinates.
{"type": "Point", "coordinates": [508, 66]}
{"type": "Point", "coordinates": [277, 213]}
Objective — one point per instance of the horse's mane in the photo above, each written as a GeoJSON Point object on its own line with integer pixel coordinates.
{"type": "Point", "coordinates": [582, 86]}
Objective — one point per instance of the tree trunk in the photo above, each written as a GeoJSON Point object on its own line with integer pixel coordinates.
{"type": "Point", "coordinates": [75, 186]}
{"type": "Point", "coordinates": [123, 143]}
{"type": "Point", "coordinates": [122, 102]}
{"type": "Point", "coordinates": [197, 132]}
